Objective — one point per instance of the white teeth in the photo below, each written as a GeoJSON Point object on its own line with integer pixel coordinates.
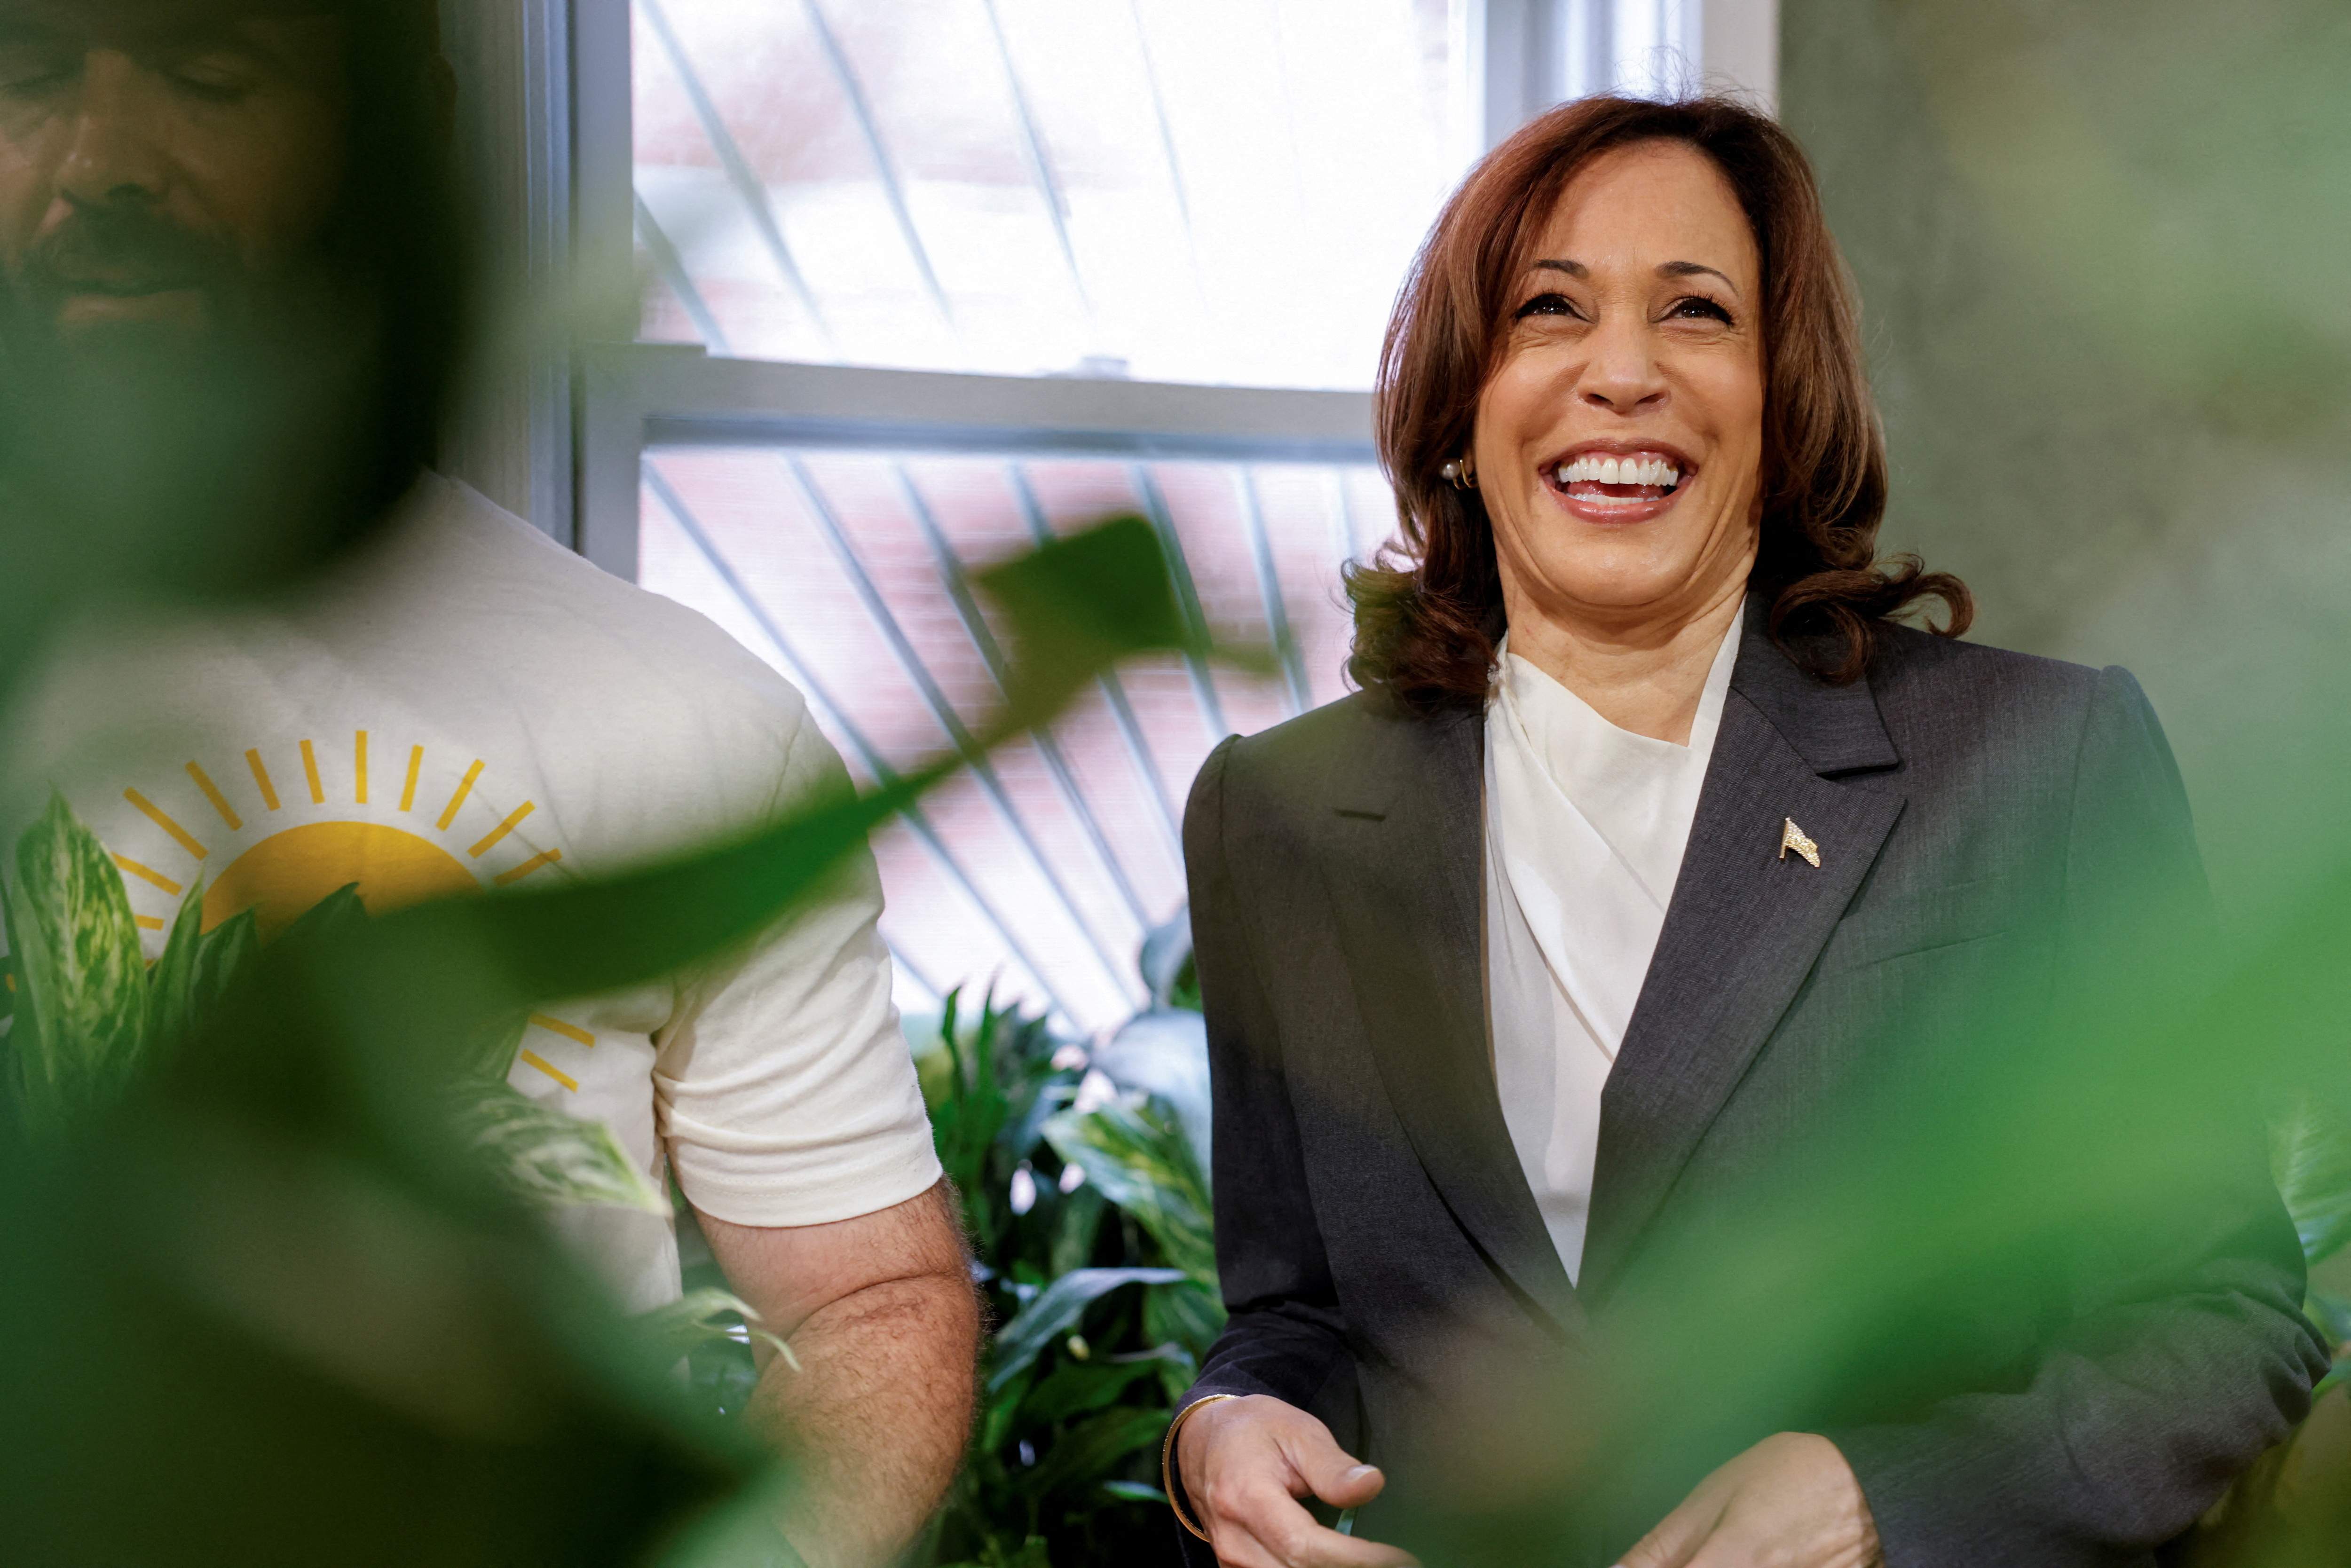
{"type": "Point", "coordinates": [1597, 468]}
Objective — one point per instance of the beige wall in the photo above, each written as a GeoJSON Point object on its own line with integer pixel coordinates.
{"type": "Point", "coordinates": [2104, 249]}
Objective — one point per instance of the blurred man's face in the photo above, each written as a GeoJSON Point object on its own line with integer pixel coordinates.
{"type": "Point", "coordinates": [162, 163]}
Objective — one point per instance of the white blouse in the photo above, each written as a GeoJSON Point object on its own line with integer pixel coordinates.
{"type": "Point", "coordinates": [1585, 825]}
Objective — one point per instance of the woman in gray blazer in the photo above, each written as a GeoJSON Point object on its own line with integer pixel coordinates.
{"type": "Point", "coordinates": [1661, 924]}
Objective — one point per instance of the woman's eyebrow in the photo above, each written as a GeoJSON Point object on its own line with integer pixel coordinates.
{"type": "Point", "coordinates": [1665, 270]}
{"type": "Point", "coordinates": [1690, 269]}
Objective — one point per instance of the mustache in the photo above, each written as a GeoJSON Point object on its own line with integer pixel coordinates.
{"type": "Point", "coordinates": [126, 250]}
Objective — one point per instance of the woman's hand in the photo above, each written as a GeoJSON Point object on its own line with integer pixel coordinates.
{"type": "Point", "coordinates": [1789, 1502]}
{"type": "Point", "coordinates": [1246, 1462]}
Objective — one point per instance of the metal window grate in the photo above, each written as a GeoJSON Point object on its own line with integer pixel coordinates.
{"type": "Point", "coordinates": [1048, 864]}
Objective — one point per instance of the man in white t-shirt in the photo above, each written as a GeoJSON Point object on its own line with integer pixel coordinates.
{"type": "Point", "coordinates": [462, 706]}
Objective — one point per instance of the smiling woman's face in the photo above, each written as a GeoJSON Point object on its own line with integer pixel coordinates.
{"type": "Point", "coordinates": [1619, 442]}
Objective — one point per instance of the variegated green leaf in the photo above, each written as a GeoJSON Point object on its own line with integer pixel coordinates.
{"type": "Point", "coordinates": [80, 973]}
{"type": "Point", "coordinates": [1140, 1160]}
{"type": "Point", "coordinates": [22, 1049]}
{"type": "Point", "coordinates": [699, 1316]}
{"type": "Point", "coordinates": [547, 1157]}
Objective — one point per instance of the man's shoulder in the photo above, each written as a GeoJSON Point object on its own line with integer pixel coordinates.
{"type": "Point", "coordinates": [652, 723]}
{"type": "Point", "coordinates": [468, 536]}
{"type": "Point", "coordinates": [541, 607]}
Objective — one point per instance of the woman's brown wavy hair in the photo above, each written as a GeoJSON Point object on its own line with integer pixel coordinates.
{"type": "Point", "coordinates": [1428, 610]}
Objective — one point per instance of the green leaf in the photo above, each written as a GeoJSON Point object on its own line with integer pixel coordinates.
{"type": "Point", "coordinates": [1135, 1491]}
{"type": "Point", "coordinates": [2310, 1156]}
{"type": "Point", "coordinates": [1078, 1387]}
{"type": "Point", "coordinates": [23, 1045]}
{"type": "Point", "coordinates": [1034, 1096]}
{"type": "Point", "coordinates": [1032, 1552]}
{"type": "Point", "coordinates": [1189, 1315]}
{"type": "Point", "coordinates": [1056, 1310]}
{"type": "Point", "coordinates": [965, 1125]}
{"type": "Point", "coordinates": [333, 1051]}
{"type": "Point", "coordinates": [698, 1317]}
{"type": "Point", "coordinates": [1139, 1159]}
{"type": "Point", "coordinates": [82, 975]}
{"type": "Point", "coordinates": [172, 980]}
{"type": "Point", "coordinates": [1075, 1229]}
{"type": "Point", "coordinates": [223, 954]}
{"type": "Point", "coordinates": [548, 1158]}
{"type": "Point", "coordinates": [1081, 605]}
{"type": "Point", "coordinates": [339, 912]}
{"type": "Point", "coordinates": [1086, 1450]}
{"type": "Point", "coordinates": [1003, 1408]}
{"type": "Point", "coordinates": [2331, 1314]}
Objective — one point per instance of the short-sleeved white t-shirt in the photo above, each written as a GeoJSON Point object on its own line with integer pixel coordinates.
{"type": "Point", "coordinates": [469, 706]}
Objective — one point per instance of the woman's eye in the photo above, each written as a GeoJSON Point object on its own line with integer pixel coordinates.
{"type": "Point", "coordinates": [1696, 307]}
{"type": "Point", "coordinates": [1544, 305]}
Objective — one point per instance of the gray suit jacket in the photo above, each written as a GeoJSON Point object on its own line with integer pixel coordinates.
{"type": "Point", "coordinates": [1873, 1158]}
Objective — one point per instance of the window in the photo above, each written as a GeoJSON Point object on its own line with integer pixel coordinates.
{"type": "Point", "coordinates": [923, 283]}
{"type": "Point", "coordinates": [1203, 191]}
{"type": "Point", "coordinates": [1048, 862]}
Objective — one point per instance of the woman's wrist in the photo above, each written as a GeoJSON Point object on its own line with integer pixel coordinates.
{"type": "Point", "coordinates": [1167, 1460]}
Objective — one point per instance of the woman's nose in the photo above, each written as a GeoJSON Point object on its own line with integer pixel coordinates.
{"type": "Point", "coordinates": [1621, 371]}
{"type": "Point", "coordinates": [118, 148]}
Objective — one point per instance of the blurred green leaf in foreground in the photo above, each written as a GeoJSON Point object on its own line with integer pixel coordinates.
{"type": "Point", "coordinates": [265, 1305]}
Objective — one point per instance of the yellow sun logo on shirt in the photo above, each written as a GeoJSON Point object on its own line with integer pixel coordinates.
{"type": "Point", "coordinates": [277, 852]}
{"type": "Point", "coordinates": [292, 826]}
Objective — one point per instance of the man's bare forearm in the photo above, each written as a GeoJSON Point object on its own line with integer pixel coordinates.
{"type": "Point", "coordinates": [874, 1420]}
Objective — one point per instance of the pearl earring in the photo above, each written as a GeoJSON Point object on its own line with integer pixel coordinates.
{"type": "Point", "coordinates": [1461, 473]}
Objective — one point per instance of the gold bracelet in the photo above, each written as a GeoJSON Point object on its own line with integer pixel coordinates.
{"type": "Point", "coordinates": [1167, 1456]}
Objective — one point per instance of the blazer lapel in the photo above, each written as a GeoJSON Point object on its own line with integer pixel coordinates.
{"type": "Point", "coordinates": [1744, 928]}
{"type": "Point", "coordinates": [1406, 889]}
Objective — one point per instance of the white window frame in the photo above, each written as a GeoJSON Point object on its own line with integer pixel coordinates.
{"type": "Point", "coordinates": [591, 419]}
{"type": "Point", "coordinates": [511, 435]}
